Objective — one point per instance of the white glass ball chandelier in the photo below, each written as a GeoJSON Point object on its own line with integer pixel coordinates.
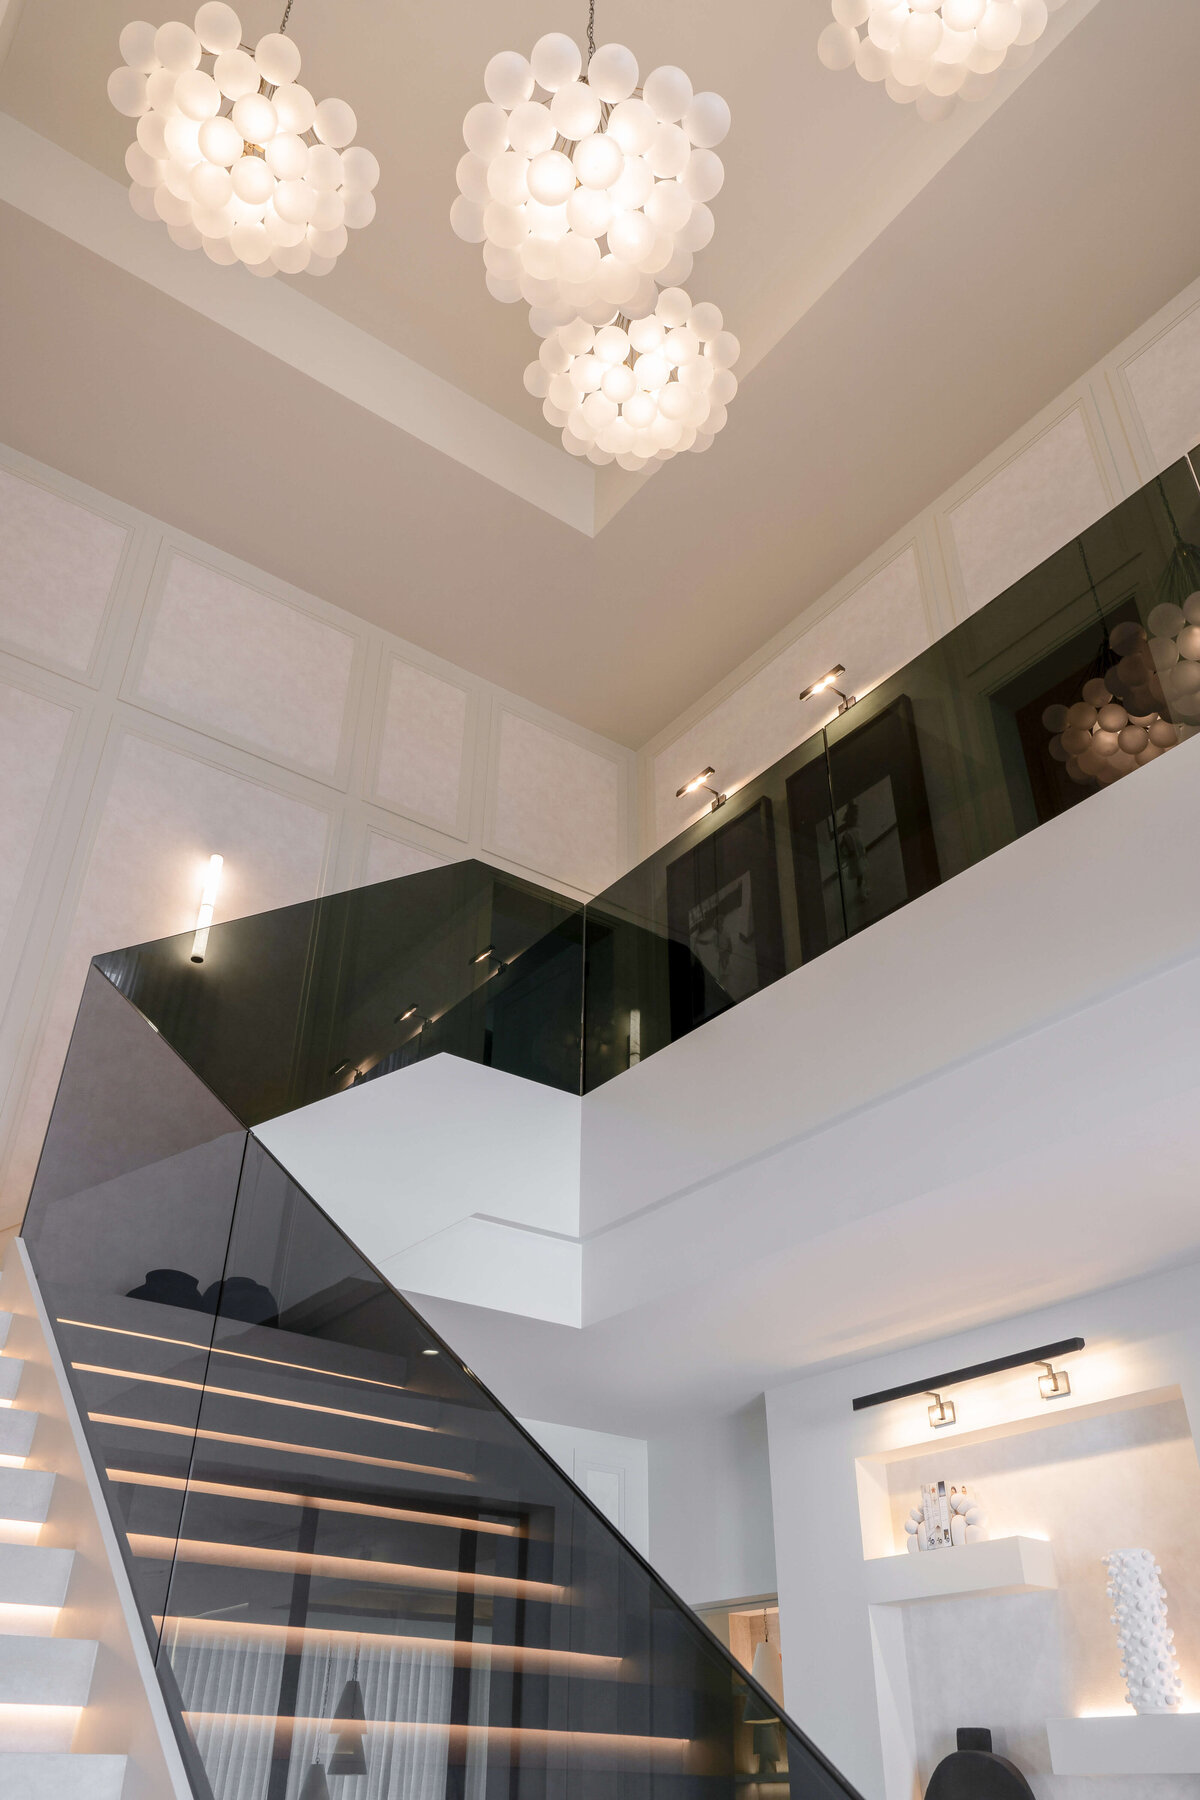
{"type": "Point", "coordinates": [638, 390]}
{"type": "Point", "coordinates": [587, 190]}
{"type": "Point", "coordinates": [1116, 727]}
{"type": "Point", "coordinates": [931, 52]}
{"type": "Point", "coordinates": [232, 153]}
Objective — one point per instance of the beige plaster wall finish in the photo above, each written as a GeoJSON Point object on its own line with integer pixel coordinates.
{"type": "Point", "coordinates": [423, 746]}
{"type": "Point", "coordinates": [1090, 1485]}
{"type": "Point", "coordinates": [1115, 428]}
{"type": "Point", "coordinates": [583, 829]}
{"type": "Point", "coordinates": [58, 563]}
{"type": "Point", "coordinates": [211, 707]}
{"type": "Point", "coordinates": [246, 667]}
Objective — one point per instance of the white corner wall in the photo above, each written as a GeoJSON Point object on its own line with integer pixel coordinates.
{"type": "Point", "coordinates": [160, 700]}
{"type": "Point", "coordinates": [1119, 425]}
{"type": "Point", "coordinates": [711, 1524]}
{"type": "Point", "coordinates": [611, 1470]}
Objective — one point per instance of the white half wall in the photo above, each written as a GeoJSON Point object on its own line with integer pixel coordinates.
{"type": "Point", "coordinates": [612, 1471]}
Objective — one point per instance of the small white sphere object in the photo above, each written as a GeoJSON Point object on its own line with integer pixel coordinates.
{"type": "Point", "coordinates": [590, 212]}
{"type": "Point", "coordinates": [632, 124]}
{"type": "Point", "coordinates": [1191, 609]}
{"type": "Point", "coordinates": [723, 350]}
{"type": "Point", "coordinates": [197, 95]}
{"type": "Point", "coordinates": [485, 130]}
{"type": "Point", "coordinates": [530, 129]}
{"type": "Point", "coordinates": [899, 92]}
{"type": "Point", "coordinates": [598, 161]}
{"type": "Point", "coordinates": [1095, 692]}
{"type": "Point", "coordinates": [619, 383]}
{"type": "Point", "coordinates": [575, 111]}
{"type": "Point", "coordinates": [555, 61]}
{"type": "Point", "coordinates": [578, 259]}
{"type": "Point", "coordinates": [255, 117]}
{"type": "Point", "coordinates": [329, 243]}
{"type": "Point", "coordinates": [630, 236]}
{"type": "Point", "coordinates": [360, 210]}
{"type": "Point", "coordinates": [706, 320]}
{"type": "Point", "coordinates": [1162, 734]}
{"type": "Point", "coordinates": [933, 108]}
{"type": "Point", "coordinates": [944, 79]}
{"type": "Point", "coordinates": [295, 107]}
{"type": "Point", "coordinates": [612, 344]}
{"type": "Point", "coordinates": [291, 259]}
{"type": "Point", "coordinates": [329, 212]}
{"type": "Point", "coordinates": [1188, 643]}
{"type": "Point", "coordinates": [613, 73]}
{"type": "Point", "coordinates": [698, 229]}
{"type": "Point", "coordinates": [210, 185]}
{"type": "Point", "coordinates": [508, 79]}
{"type": "Point", "coordinates": [646, 334]}
{"type": "Point", "coordinates": [652, 370]}
{"type": "Point", "coordinates": [136, 44]}
{"type": "Point", "coordinates": [335, 123]}
{"type": "Point", "coordinates": [170, 208]}
{"type": "Point", "coordinates": [999, 26]}
{"type": "Point", "coordinates": [537, 381]}
{"type": "Point", "coordinates": [220, 250]}
{"type": "Point", "coordinates": [220, 141]}
{"type": "Point", "coordinates": [1166, 619]}
{"type": "Point", "coordinates": [599, 410]}
{"type": "Point", "coordinates": [466, 220]}
{"type": "Point", "coordinates": [186, 236]}
{"type": "Point", "coordinates": [837, 46]}
{"type": "Point", "coordinates": [883, 27]}
{"type": "Point", "coordinates": [1035, 16]}
{"type": "Point", "coordinates": [182, 138]}
{"type": "Point", "coordinates": [151, 135]}
{"type": "Point", "coordinates": [147, 170]}
{"type": "Point", "coordinates": [683, 346]}
{"type": "Point", "coordinates": [294, 201]}
{"type": "Point", "coordinates": [920, 35]}
{"type": "Point", "coordinates": [287, 156]}
{"type": "Point", "coordinates": [127, 91]}
{"type": "Point", "coordinates": [250, 240]}
{"type": "Point", "coordinates": [235, 74]}
{"type": "Point", "coordinates": [669, 207]}
{"type": "Point", "coordinates": [668, 93]}
{"type": "Point", "coordinates": [507, 179]}
{"type": "Point", "coordinates": [546, 221]}
{"type": "Point", "coordinates": [704, 176]}
{"type": "Point", "coordinates": [504, 225]}
{"type": "Point", "coordinates": [707, 120]}
{"type": "Point", "coordinates": [871, 62]}
{"type": "Point", "coordinates": [360, 170]}
{"type": "Point", "coordinates": [507, 292]}
{"type": "Point", "coordinates": [176, 46]}
{"type": "Point", "coordinates": [218, 27]}
{"type": "Point", "coordinates": [324, 168]}
{"type": "Point", "coordinates": [673, 308]}
{"type": "Point", "coordinates": [278, 58]}
{"type": "Point", "coordinates": [635, 185]}
{"type": "Point", "coordinates": [1126, 636]}
{"type": "Point", "coordinates": [551, 178]}
{"type": "Point", "coordinates": [252, 180]}
{"type": "Point", "coordinates": [669, 151]}
{"type": "Point", "coordinates": [282, 232]}
{"type": "Point", "coordinates": [142, 201]}
{"type": "Point", "coordinates": [962, 15]}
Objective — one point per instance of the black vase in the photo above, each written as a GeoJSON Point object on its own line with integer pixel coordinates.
{"type": "Point", "coordinates": [240, 1297]}
{"type": "Point", "coordinates": [974, 1772]}
{"type": "Point", "coordinates": [169, 1287]}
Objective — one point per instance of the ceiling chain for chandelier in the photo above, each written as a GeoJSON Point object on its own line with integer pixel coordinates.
{"type": "Point", "coordinates": [932, 52]}
{"type": "Point", "coordinates": [232, 154]}
{"type": "Point", "coordinates": [589, 189]}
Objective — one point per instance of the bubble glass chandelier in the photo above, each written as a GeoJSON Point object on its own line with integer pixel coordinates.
{"type": "Point", "coordinates": [931, 52]}
{"type": "Point", "coordinates": [232, 153]}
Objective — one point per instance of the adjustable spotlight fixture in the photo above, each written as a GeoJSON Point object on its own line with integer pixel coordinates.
{"type": "Point", "coordinates": [701, 781]}
{"type": "Point", "coordinates": [826, 682]}
{"type": "Point", "coordinates": [490, 954]}
{"type": "Point", "coordinates": [400, 1017]}
{"type": "Point", "coordinates": [941, 1412]}
{"type": "Point", "coordinates": [208, 900]}
{"type": "Point", "coordinates": [1055, 1384]}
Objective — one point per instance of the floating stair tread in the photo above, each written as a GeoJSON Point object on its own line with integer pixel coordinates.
{"type": "Point", "coordinates": [10, 1377]}
{"type": "Point", "coordinates": [16, 1431]}
{"type": "Point", "coordinates": [54, 1775]}
{"type": "Point", "coordinates": [6, 1319]}
{"type": "Point", "coordinates": [37, 1671]}
{"type": "Point", "coordinates": [34, 1574]}
{"type": "Point", "coordinates": [25, 1494]}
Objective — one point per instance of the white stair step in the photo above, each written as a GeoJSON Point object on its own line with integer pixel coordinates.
{"type": "Point", "coordinates": [34, 1575]}
{"type": "Point", "coordinates": [10, 1378]}
{"type": "Point", "coordinates": [36, 1671]}
{"type": "Point", "coordinates": [61, 1777]}
{"type": "Point", "coordinates": [5, 1322]}
{"type": "Point", "coordinates": [16, 1431]}
{"type": "Point", "coordinates": [25, 1494]}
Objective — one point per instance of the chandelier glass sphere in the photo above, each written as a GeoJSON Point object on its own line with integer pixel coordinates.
{"type": "Point", "coordinates": [931, 52]}
{"type": "Point", "coordinates": [587, 190]}
{"type": "Point", "coordinates": [232, 153]}
{"type": "Point", "coordinates": [638, 390]}
{"type": "Point", "coordinates": [1116, 727]}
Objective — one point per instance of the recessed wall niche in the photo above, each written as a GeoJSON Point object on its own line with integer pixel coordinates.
{"type": "Point", "coordinates": [1107, 1480]}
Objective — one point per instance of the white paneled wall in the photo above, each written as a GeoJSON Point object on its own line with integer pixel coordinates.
{"type": "Point", "coordinates": [160, 701]}
{"type": "Point", "coordinates": [1122, 423]}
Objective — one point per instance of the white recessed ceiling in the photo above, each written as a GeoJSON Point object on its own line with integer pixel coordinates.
{"type": "Point", "coordinates": [907, 296]}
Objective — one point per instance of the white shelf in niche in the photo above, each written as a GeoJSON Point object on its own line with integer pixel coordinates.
{"type": "Point", "coordinates": [1141, 1744]}
{"type": "Point", "coordinates": [1008, 1565]}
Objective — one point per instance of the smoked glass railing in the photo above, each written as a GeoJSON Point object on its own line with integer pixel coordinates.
{"type": "Point", "coordinates": [358, 1575]}
{"type": "Point", "coordinates": [1081, 673]}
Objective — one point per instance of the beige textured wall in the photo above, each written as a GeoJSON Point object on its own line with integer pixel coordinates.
{"type": "Point", "coordinates": [1118, 426]}
{"type": "Point", "coordinates": [160, 701]}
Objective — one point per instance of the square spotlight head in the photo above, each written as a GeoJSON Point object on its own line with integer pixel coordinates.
{"type": "Point", "coordinates": [941, 1412]}
{"type": "Point", "coordinates": [1055, 1384]}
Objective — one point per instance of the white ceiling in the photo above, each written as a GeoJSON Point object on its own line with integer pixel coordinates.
{"type": "Point", "coordinates": [911, 295]}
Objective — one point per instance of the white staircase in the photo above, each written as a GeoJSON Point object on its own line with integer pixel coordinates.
{"type": "Point", "coordinates": [45, 1671]}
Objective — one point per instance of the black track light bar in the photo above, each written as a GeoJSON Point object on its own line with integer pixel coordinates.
{"type": "Point", "coordinates": [1046, 1353]}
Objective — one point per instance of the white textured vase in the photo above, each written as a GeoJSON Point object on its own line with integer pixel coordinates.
{"type": "Point", "coordinates": [1140, 1615]}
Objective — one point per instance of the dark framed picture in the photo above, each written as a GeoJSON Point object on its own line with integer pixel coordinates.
{"type": "Point", "coordinates": [724, 918]}
{"type": "Point", "coordinates": [862, 834]}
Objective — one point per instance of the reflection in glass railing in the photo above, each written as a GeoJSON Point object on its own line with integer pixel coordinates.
{"type": "Point", "coordinates": [358, 1574]}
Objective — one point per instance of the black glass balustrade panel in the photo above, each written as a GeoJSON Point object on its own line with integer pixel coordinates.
{"type": "Point", "coordinates": [959, 753]}
{"type": "Point", "coordinates": [360, 1576]}
{"type": "Point", "coordinates": [290, 1006]}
